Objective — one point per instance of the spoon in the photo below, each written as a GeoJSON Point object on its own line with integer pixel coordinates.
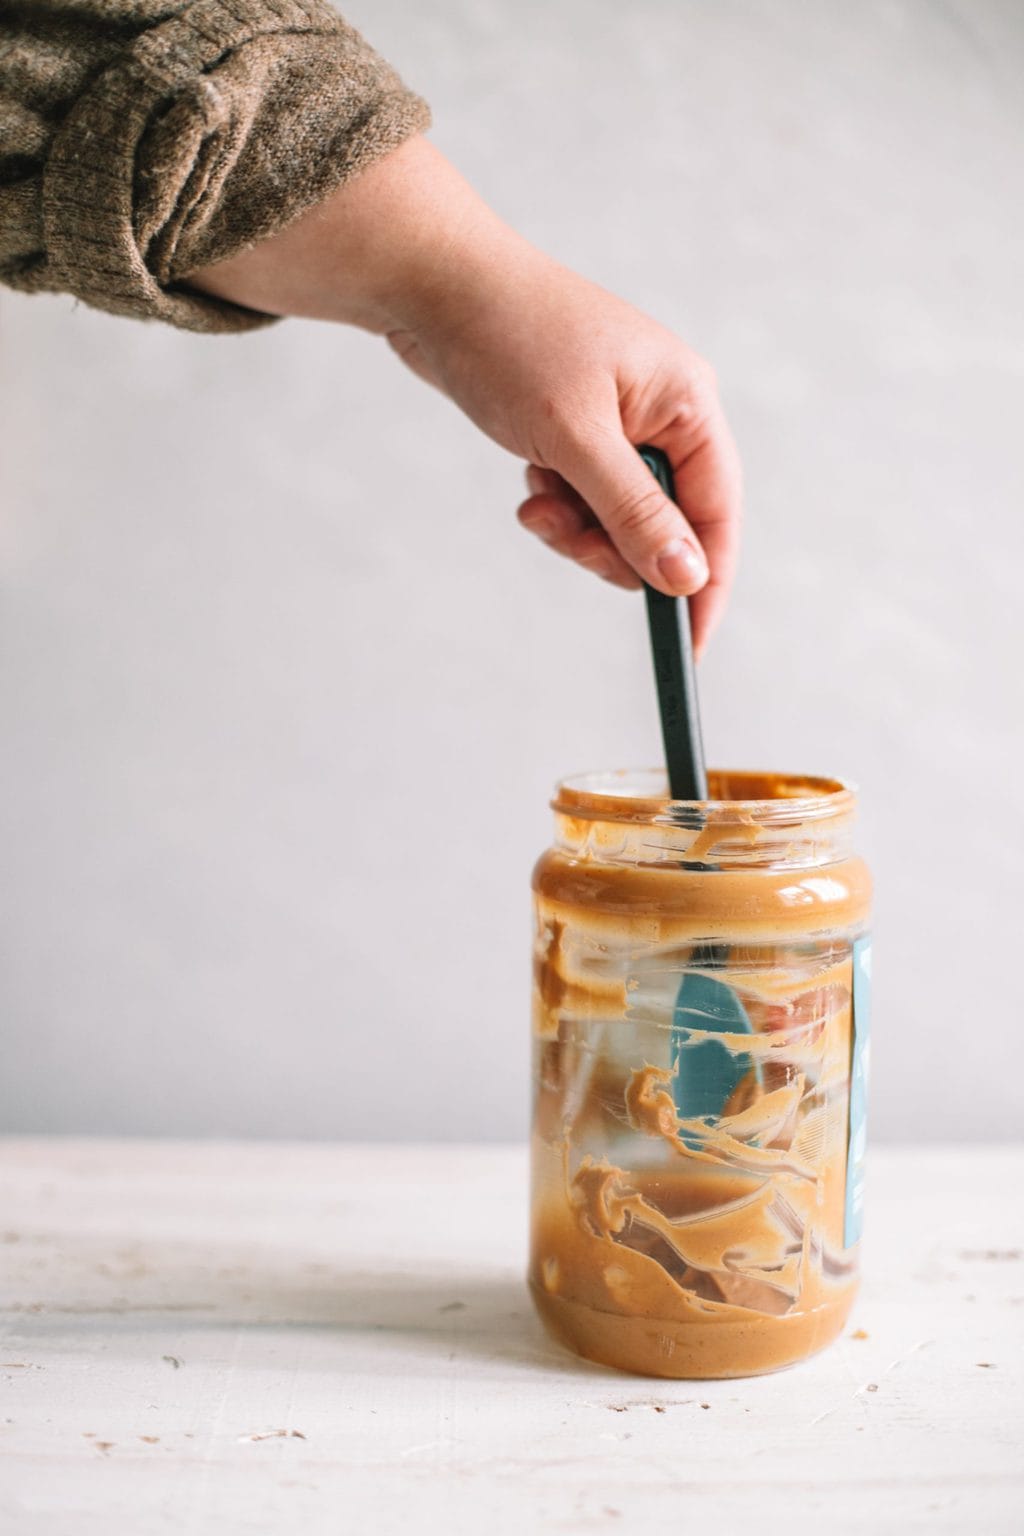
{"type": "Point", "coordinates": [706, 1071]}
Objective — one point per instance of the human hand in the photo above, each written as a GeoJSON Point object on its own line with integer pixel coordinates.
{"type": "Point", "coordinates": [571, 378]}
{"type": "Point", "coordinates": [551, 366]}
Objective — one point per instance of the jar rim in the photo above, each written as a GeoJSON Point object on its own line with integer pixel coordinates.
{"type": "Point", "coordinates": [640, 795]}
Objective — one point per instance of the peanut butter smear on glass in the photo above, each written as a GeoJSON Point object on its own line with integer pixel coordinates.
{"type": "Point", "coordinates": [726, 1244]}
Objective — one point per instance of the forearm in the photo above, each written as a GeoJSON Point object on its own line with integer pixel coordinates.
{"type": "Point", "coordinates": [215, 163]}
{"type": "Point", "coordinates": [379, 253]}
{"type": "Point", "coordinates": [552, 367]}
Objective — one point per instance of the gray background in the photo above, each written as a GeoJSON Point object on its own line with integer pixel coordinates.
{"type": "Point", "coordinates": [284, 688]}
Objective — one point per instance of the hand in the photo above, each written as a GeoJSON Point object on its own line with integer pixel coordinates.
{"type": "Point", "coordinates": [550, 366]}
{"type": "Point", "coordinates": [571, 378]}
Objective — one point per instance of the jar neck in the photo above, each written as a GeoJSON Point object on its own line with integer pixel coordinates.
{"type": "Point", "coordinates": [752, 821]}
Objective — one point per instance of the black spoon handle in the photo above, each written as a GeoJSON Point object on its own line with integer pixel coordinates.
{"type": "Point", "coordinates": [668, 619]}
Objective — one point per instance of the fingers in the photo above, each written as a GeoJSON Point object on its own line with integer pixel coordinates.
{"type": "Point", "coordinates": [604, 508]}
{"type": "Point", "coordinates": [708, 483]}
{"type": "Point", "coordinates": [541, 480]}
{"type": "Point", "coordinates": [652, 535]}
{"type": "Point", "coordinates": [558, 516]}
{"type": "Point", "coordinates": [689, 549]}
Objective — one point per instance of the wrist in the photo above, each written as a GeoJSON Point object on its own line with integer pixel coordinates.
{"type": "Point", "coordinates": [433, 248]}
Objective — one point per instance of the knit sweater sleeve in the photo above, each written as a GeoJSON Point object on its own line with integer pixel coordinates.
{"type": "Point", "coordinates": [142, 139]}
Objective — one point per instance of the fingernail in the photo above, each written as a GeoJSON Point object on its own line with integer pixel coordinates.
{"type": "Point", "coordinates": [682, 564]}
{"type": "Point", "coordinates": [543, 527]}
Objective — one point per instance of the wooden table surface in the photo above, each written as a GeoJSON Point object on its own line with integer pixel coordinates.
{"type": "Point", "coordinates": [231, 1338]}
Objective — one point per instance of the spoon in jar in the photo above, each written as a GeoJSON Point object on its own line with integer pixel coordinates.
{"type": "Point", "coordinates": [707, 1072]}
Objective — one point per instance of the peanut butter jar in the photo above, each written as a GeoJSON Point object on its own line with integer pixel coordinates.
{"type": "Point", "coordinates": [700, 1017]}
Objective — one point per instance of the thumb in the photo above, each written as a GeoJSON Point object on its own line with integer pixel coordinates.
{"type": "Point", "coordinates": [648, 530]}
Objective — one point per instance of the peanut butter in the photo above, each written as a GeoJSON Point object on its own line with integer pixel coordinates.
{"type": "Point", "coordinates": [712, 1246]}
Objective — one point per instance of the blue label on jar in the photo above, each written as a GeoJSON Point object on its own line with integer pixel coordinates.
{"type": "Point", "coordinates": [860, 1028]}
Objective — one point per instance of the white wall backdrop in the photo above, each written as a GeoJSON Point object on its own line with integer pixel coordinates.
{"type": "Point", "coordinates": [283, 687]}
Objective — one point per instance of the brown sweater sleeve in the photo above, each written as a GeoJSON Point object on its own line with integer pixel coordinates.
{"type": "Point", "coordinates": [141, 139]}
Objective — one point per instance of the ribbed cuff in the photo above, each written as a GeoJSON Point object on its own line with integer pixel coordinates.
{"type": "Point", "coordinates": [214, 129]}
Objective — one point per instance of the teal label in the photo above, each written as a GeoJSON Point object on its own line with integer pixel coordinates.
{"type": "Point", "coordinates": [860, 1059]}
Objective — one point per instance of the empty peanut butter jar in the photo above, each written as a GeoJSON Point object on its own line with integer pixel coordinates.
{"type": "Point", "coordinates": [700, 1028]}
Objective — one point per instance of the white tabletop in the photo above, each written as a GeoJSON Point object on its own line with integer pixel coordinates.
{"type": "Point", "coordinates": [307, 1339]}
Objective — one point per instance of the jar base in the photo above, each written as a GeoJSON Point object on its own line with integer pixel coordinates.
{"type": "Point", "coordinates": [687, 1351]}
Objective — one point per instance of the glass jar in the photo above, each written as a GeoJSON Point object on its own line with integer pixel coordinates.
{"type": "Point", "coordinates": [700, 1014]}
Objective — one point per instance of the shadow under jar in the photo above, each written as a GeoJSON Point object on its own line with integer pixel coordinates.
{"type": "Point", "coordinates": [725, 1243]}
